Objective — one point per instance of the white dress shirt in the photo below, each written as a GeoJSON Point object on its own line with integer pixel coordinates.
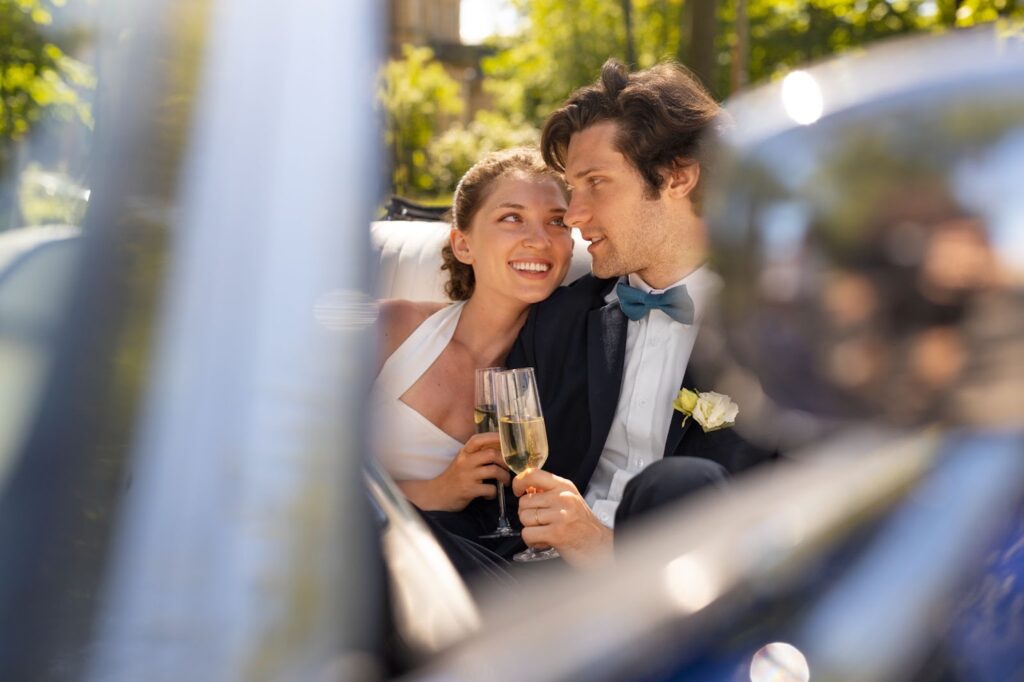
{"type": "Point", "coordinates": [657, 351]}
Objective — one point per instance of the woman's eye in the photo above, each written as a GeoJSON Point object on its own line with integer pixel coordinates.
{"type": "Point", "coordinates": [559, 221]}
{"type": "Point", "coordinates": [510, 218]}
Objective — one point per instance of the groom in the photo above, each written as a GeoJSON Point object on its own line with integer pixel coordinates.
{"type": "Point", "coordinates": [612, 351]}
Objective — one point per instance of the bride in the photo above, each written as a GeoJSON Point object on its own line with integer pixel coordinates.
{"type": "Point", "coordinates": [509, 248]}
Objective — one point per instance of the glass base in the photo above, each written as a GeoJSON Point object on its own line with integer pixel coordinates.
{"type": "Point", "coordinates": [505, 531]}
{"type": "Point", "coordinates": [532, 554]}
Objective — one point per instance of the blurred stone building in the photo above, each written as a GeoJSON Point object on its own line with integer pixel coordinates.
{"type": "Point", "coordinates": [435, 24]}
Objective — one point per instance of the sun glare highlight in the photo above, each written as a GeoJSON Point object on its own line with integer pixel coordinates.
{"type": "Point", "coordinates": [801, 97]}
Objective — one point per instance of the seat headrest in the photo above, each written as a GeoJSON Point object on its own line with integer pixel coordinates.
{"type": "Point", "coordinates": [409, 255]}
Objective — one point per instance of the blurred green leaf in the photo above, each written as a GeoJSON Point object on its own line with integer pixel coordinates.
{"type": "Point", "coordinates": [416, 94]}
{"type": "Point", "coordinates": [36, 76]}
{"type": "Point", "coordinates": [461, 146]}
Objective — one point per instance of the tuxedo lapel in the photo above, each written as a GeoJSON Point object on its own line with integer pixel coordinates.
{"type": "Point", "coordinates": [606, 350]}
{"type": "Point", "coordinates": [676, 428]}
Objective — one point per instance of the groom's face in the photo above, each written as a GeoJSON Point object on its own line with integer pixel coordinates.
{"type": "Point", "coordinates": [626, 229]}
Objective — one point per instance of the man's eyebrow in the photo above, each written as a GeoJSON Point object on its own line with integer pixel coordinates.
{"type": "Point", "coordinates": [586, 171]}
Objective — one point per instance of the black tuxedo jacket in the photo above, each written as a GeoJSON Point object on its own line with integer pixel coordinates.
{"type": "Point", "coordinates": [577, 344]}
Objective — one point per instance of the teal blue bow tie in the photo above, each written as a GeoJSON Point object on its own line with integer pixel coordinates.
{"type": "Point", "coordinates": [676, 302]}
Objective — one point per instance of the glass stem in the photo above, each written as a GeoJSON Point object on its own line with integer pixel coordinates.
{"type": "Point", "coordinates": [502, 519]}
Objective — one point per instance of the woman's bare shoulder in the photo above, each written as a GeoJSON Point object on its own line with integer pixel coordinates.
{"type": "Point", "coordinates": [399, 318]}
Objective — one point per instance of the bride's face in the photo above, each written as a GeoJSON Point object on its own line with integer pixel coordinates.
{"type": "Point", "coordinates": [517, 243]}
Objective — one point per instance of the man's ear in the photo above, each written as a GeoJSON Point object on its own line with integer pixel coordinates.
{"type": "Point", "coordinates": [460, 246]}
{"type": "Point", "coordinates": [681, 179]}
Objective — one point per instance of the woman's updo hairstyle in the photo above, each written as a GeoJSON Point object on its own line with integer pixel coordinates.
{"type": "Point", "coordinates": [472, 190]}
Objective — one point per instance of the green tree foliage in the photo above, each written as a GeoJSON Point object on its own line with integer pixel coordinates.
{"type": "Point", "coordinates": [36, 79]}
{"type": "Point", "coordinates": [50, 197]}
{"type": "Point", "coordinates": [416, 94]}
{"type": "Point", "coordinates": [562, 47]}
{"type": "Point", "coordinates": [565, 42]}
{"type": "Point", "coordinates": [786, 35]}
{"type": "Point", "coordinates": [461, 146]}
{"type": "Point", "coordinates": [36, 76]}
{"type": "Point", "coordinates": [533, 72]}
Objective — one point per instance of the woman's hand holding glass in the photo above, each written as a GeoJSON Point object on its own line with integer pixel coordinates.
{"type": "Point", "coordinates": [469, 475]}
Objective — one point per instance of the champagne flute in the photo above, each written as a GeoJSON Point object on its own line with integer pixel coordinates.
{"type": "Point", "coordinates": [485, 416]}
{"type": "Point", "coordinates": [524, 441]}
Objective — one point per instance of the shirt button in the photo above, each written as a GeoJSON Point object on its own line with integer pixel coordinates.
{"type": "Point", "coordinates": [640, 464]}
{"type": "Point", "coordinates": [604, 517]}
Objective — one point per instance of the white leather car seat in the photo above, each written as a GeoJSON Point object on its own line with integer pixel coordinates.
{"type": "Point", "coordinates": [410, 259]}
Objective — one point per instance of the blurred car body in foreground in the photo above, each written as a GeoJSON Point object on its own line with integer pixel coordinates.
{"type": "Point", "coordinates": [179, 504]}
{"type": "Point", "coordinates": [185, 499]}
{"type": "Point", "coordinates": [32, 298]}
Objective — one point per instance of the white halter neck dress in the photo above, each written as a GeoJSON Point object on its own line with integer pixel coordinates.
{"type": "Point", "coordinates": [409, 445]}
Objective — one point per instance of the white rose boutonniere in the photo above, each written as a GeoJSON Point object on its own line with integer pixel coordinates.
{"type": "Point", "coordinates": [711, 410]}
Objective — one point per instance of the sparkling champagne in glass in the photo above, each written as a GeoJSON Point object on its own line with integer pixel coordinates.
{"type": "Point", "coordinates": [486, 417]}
{"type": "Point", "coordinates": [524, 440]}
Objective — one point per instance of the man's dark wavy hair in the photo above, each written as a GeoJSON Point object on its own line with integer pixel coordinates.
{"type": "Point", "coordinates": [664, 115]}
